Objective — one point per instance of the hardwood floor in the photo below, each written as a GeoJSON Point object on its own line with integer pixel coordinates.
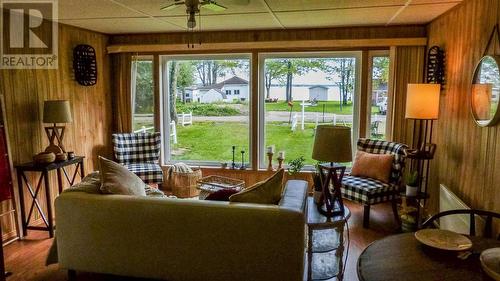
{"type": "Point", "coordinates": [26, 258]}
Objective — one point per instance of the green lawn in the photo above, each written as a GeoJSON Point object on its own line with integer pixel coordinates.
{"type": "Point", "coordinates": [212, 141]}
{"type": "Point", "coordinates": [330, 107]}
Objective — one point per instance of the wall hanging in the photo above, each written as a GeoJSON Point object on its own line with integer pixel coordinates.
{"type": "Point", "coordinates": [485, 90]}
{"type": "Point", "coordinates": [435, 65]}
{"type": "Point", "coordinates": [85, 65]}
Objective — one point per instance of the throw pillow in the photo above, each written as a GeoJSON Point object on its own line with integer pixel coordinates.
{"type": "Point", "coordinates": [116, 179]}
{"type": "Point", "coordinates": [91, 183]}
{"type": "Point", "coordinates": [222, 195]}
{"type": "Point", "coordinates": [264, 192]}
{"type": "Point", "coordinates": [375, 166]}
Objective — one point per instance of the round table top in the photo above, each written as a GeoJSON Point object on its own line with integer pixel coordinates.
{"type": "Point", "coordinates": [402, 257]}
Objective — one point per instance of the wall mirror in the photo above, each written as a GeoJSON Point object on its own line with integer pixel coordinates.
{"type": "Point", "coordinates": [486, 91]}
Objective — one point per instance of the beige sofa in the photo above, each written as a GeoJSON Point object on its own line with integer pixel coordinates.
{"type": "Point", "coordinates": [175, 239]}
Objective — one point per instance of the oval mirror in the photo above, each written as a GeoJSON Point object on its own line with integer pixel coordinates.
{"type": "Point", "coordinates": [486, 91]}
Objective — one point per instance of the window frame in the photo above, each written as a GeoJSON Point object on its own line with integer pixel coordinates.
{"type": "Point", "coordinates": [165, 105]}
{"type": "Point", "coordinates": [390, 94]}
{"type": "Point", "coordinates": [133, 84]}
{"type": "Point", "coordinates": [357, 54]}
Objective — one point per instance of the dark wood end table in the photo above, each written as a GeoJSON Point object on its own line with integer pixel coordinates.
{"type": "Point", "coordinates": [44, 170]}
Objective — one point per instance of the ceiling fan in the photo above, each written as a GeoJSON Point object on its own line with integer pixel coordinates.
{"type": "Point", "coordinates": [193, 7]}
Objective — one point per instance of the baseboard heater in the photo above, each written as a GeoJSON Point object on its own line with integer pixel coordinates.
{"type": "Point", "coordinates": [457, 223]}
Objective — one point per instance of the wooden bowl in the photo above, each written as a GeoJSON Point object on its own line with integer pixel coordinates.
{"type": "Point", "coordinates": [61, 157]}
{"type": "Point", "coordinates": [490, 261]}
{"type": "Point", "coordinates": [44, 158]}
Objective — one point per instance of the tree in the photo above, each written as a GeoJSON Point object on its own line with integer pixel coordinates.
{"type": "Point", "coordinates": [380, 72]}
{"type": "Point", "coordinates": [342, 71]}
{"type": "Point", "coordinates": [185, 77]}
{"type": "Point", "coordinates": [284, 70]}
{"type": "Point", "coordinates": [143, 87]}
{"type": "Point", "coordinates": [209, 71]}
{"type": "Point", "coordinates": [173, 70]}
{"type": "Point", "coordinates": [274, 70]}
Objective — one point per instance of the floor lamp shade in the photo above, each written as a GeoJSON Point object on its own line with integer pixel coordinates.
{"type": "Point", "coordinates": [422, 101]}
{"type": "Point", "coordinates": [57, 111]}
{"type": "Point", "coordinates": [332, 144]}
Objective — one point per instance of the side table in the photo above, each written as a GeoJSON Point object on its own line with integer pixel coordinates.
{"type": "Point", "coordinates": [316, 222]}
{"type": "Point", "coordinates": [22, 181]}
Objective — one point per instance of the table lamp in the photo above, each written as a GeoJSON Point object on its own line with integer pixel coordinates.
{"type": "Point", "coordinates": [56, 111]}
{"type": "Point", "coordinates": [332, 144]}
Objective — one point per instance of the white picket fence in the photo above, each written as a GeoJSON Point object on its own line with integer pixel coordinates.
{"type": "Point", "coordinates": [185, 118]}
{"type": "Point", "coordinates": [145, 130]}
{"type": "Point", "coordinates": [173, 131]}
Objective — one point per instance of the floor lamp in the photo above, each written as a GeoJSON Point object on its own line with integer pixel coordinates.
{"type": "Point", "coordinates": [422, 106]}
{"type": "Point", "coordinates": [332, 144]}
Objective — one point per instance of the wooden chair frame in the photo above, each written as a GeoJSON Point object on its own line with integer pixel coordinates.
{"type": "Point", "coordinates": [488, 227]}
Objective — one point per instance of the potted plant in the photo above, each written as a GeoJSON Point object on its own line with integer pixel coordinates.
{"type": "Point", "coordinates": [318, 179]}
{"type": "Point", "coordinates": [295, 166]}
{"type": "Point", "coordinates": [412, 184]}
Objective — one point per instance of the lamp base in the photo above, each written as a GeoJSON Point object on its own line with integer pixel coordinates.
{"type": "Point", "coordinates": [55, 134]}
{"type": "Point", "coordinates": [331, 204]}
{"type": "Point", "coordinates": [336, 211]}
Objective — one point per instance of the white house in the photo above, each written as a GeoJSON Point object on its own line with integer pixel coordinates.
{"type": "Point", "coordinates": [212, 95]}
{"type": "Point", "coordinates": [234, 88]}
{"type": "Point", "coordinates": [319, 93]}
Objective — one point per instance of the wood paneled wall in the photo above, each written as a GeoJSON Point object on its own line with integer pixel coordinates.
{"type": "Point", "coordinates": [377, 32]}
{"type": "Point", "coordinates": [408, 63]}
{"type": "Point", "coordinates": [25, 91]}
{"type": "Point", "coordinates": [467, 157]}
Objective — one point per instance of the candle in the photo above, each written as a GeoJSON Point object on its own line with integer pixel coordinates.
{"type": "Point", "coordinates": [270, 149]}
{"type": "Point", "coordinates": [281, 154]}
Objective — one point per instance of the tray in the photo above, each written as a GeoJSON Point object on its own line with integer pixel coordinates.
{"type": "Point", "coordinates": [214, 183]}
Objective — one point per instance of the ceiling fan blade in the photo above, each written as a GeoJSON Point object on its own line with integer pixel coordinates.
{"type": "Point", "coordinates": [212, 6]}
{"type": "Point", "coordinates": [172, 6]}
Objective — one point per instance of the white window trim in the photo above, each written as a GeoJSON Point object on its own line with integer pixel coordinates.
{"type": "Point", "coordinates": [333, 54]}
{"type": "Point", "coordinates": [165, 127]}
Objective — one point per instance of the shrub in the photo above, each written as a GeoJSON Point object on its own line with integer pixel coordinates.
{"type": "Point", "coordinates": [207, 109]}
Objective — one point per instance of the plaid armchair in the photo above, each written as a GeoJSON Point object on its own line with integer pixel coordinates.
{"type": "Point", "coordinates": [368, 191]}
{"type": "Point", "coordinates": [140, 153]}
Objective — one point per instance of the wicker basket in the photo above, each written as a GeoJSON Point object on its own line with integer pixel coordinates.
{"type": "Point", "coordinates": [184, 185]}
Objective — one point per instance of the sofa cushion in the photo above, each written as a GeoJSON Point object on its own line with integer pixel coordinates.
{"type": "Point", "coordinates": [367, 190]}
{"type": "Point", "coordinates": [117, 179]}
{"type": "Point", "coordinates": [264, 192]}
{"type": "Point", "coordinates": [370, 165]}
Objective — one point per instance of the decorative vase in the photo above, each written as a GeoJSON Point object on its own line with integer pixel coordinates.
{"type": "Point", "coordinates": [411, 191]}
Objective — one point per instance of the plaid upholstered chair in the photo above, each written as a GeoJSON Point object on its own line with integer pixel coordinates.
{"type": "Point", "coordinates": [140, 153]}
{"type": "Point", "coordinates": [368, 191]}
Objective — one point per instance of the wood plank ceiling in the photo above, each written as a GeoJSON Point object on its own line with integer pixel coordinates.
{"type": "Point", "coordinates": [145, 16]}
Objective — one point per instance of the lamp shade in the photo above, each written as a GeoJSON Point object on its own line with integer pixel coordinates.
{"type": "Point", "coordinates": [332, 144]}
{"type": "Point", "coordinates": [56, 111]}
{"type": "Point", "coordinates": [422, 101]}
